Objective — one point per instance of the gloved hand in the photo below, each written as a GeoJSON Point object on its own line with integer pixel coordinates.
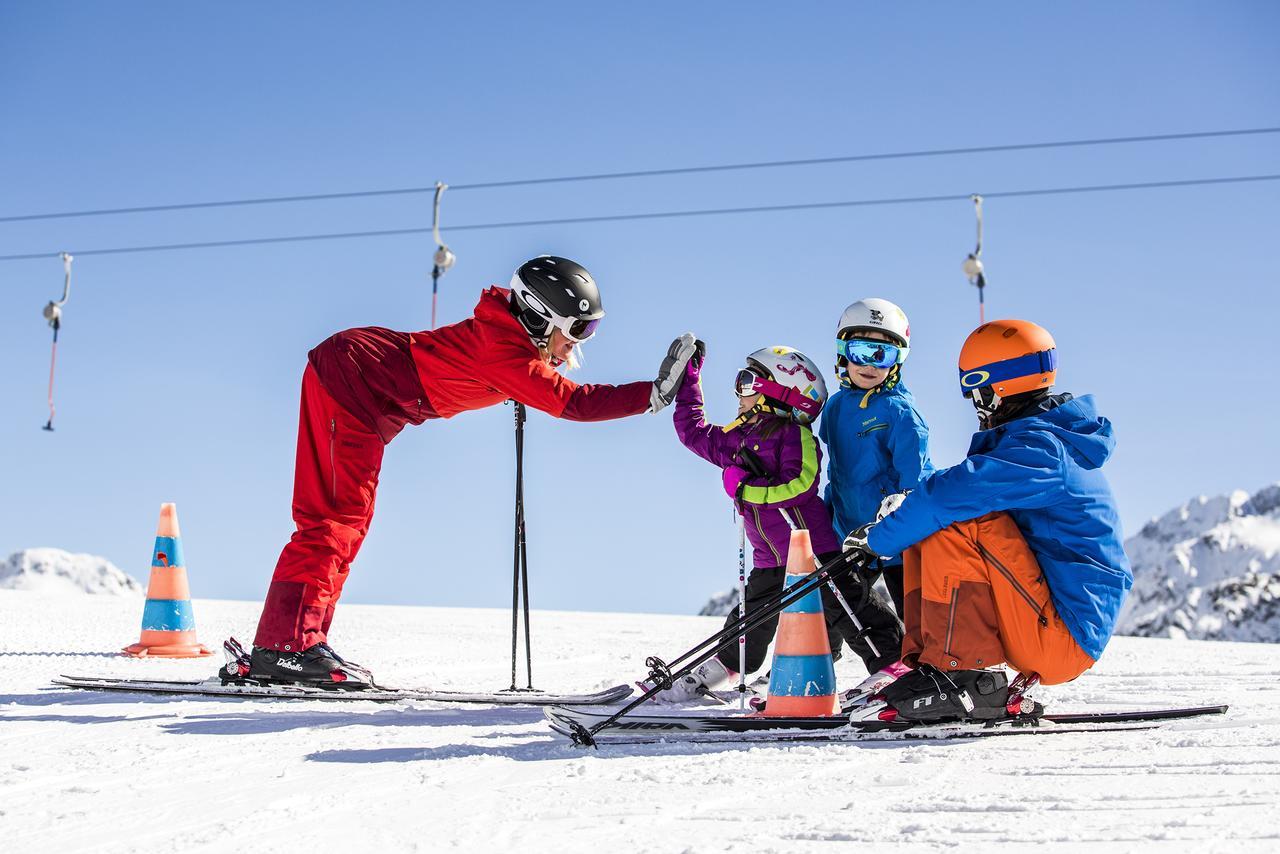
{"type": "Point", "coordinates": [733, 478]}
{"type": "Point", "coordinates": [857, 541]}
{"type": "Point", "coordinates": [694, 368]}
{"type": "Point", "coordinates": [890, 504]}
{"type": "Point", "coordinates": [671, 372]}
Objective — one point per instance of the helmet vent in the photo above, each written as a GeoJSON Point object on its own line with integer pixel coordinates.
{"type": "Point", "coordinates": [552, 278]}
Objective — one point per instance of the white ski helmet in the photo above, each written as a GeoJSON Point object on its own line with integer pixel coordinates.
{"type": "Point", "coordinates": [879, 315]}
{"type": "Point", "coordinates": [788, 379]}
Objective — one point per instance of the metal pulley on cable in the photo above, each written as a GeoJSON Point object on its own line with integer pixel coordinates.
{"type": "Point", "coordinates": [443, 258]}
{"type": "Point", "coordinates": [973, 264]}
{"type": "Point", "coordinates": [53, 314]}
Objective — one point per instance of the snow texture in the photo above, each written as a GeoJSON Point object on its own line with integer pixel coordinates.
{"type": "Point", "coordinates": [57, 572]}
{"type": "Point", "coordinates": [84, 771]}
{"type": "Point", "coordinates": [1209, 569]}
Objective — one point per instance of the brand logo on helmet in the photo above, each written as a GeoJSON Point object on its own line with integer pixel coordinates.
{"type": "Point", "coordinates": [877, 316]}
{"type": "Point", "coordinates": [973, 379]}
{"type": "Point", "coordinates": [583, 305]}
{"type": "Point", "coordinates": [799, 366]}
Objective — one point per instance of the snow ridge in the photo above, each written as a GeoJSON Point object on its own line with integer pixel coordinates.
{"type": "Point", "coordinates": [1209, 569]}
{"type": "Point", "coordinates": [56, 571]}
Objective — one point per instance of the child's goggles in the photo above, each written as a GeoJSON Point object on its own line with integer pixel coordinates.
{"type": "Point", "coordinates": [748, 382]}
{"type": "Point", "coordinates": [874, 354]}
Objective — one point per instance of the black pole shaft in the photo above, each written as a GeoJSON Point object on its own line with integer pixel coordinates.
{"type": "Point", "coordinates": [835, 568]}
{"type": "Point", "coordinates": [524, 545]}
{"type": "Point", "coordinates": [519, 525]}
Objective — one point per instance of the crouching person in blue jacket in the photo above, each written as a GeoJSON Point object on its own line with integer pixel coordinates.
{"type": "Point", "coordinates": [1014, 555]}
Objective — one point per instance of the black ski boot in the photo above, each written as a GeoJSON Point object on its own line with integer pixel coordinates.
{"type": "Point", "coordinates": [928, 695]}
{"type": "Point", "coordinates": [316, 665]}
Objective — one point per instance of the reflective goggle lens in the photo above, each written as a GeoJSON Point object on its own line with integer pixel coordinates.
{"type": "Point", "coordinates": [875, 354]}
{"type": "Point", "coordinates": [745, 382]}
{"type": "Point", "coordinates": [581, 330]}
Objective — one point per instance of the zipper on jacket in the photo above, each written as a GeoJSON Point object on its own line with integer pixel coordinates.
{"type": "Point", "coordinates": [871, 430]}
{"type": "Point", "coordinates": [951, 618]}
{"type": "Point", "coordinates": [333, 472]}
{"type": "Point", "coordinates": [755, 511]}
{"type": "Point", "coordinates": [1022, 591]}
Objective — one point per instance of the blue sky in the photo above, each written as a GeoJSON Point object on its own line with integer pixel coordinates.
{"type": "Point", "coordinates": [178, 371]}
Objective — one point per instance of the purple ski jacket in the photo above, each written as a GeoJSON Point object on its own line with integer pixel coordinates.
{"type": "Point", "coordinates": [791, 459]}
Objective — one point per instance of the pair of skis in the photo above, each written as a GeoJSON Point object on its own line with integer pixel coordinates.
{"type": "Point", "coordinates": [585, 726]}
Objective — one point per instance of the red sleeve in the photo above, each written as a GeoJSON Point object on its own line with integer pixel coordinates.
{"type": "Point", "coordinates": [606, 402]}
{"type": "Point", "coordinates": [535, 383]}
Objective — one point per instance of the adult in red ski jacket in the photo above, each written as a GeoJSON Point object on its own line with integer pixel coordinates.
{"type": "Point", "coordinates": [362, 386]}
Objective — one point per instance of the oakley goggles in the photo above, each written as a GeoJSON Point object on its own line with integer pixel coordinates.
{"type": "Point", "coordinates": [875, 354]}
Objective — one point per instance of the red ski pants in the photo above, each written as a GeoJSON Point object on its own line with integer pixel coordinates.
{"type": "Point", "coordinates": [975, 597]}
{"type": "Point", "coordinates": [335, 478]}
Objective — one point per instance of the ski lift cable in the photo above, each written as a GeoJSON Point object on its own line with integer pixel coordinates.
{"type": "Point", "coordinates": [654, 173]}
{"type": "Point", "coordinates": [53, 314]}
{"type": "Point", "coordinates": [632, 217]}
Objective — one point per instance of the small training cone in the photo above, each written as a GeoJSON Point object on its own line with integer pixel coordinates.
{"type": "Point", "coordinates": [168, 623]}
{"type": "Point", "coordinates": [802, 681]}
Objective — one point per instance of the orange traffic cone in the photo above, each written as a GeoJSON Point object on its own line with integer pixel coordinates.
{"type": "Point", "coordinates": [802, 680]}
{"type": "Point", "coordinates": [168, 623]}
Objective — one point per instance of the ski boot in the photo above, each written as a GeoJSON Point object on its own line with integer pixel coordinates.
{"type": "Point", "coordinates": [316, 665]}
{"type": "Point", "coordinates": [927, 695]}
{"type": "Point", "coordinates": [699, 682]}
{"type": "Point", "coordinates": [873, 685]}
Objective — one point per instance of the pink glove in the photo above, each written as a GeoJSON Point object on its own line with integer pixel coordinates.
{"type": "Point", "coordinates": [733, 478]}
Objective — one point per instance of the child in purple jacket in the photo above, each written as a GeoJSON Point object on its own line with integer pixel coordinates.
{"type": "Point", "coordinates": [771, 464]}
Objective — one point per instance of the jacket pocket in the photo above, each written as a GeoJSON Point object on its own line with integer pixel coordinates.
{"type": "Point", "coordinates": [755, 511]}
{"type": "Point", "coordinates": [333, 469]}
{"type": "Point", "coordinates": [951, 618]}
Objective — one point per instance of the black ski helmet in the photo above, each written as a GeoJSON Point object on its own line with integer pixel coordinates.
{"type": "Point", "coordinates": [549, 291]}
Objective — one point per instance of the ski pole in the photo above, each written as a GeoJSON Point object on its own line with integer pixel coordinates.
{"type": "Point", "coordinates": [742, 611]}
{"type": "Point", "coordinates": [660, 672]}
{"type": "Point", "coordinates": [853, 618]}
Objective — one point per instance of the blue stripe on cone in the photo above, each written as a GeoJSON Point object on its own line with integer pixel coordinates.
{"type": "Point", "coordinates": [171, 548]}
{"type": "Point", "coordinates": [810, 603]}
{"type": "Point", "coordinates": [802, 676]}
{"type": "Point", "coordinates": [168, 615]}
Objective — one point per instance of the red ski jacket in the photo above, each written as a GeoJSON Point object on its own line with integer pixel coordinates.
{"type": "Point", "coordinates": [388, 379]}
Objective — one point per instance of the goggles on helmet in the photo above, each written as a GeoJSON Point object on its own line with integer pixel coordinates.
{"type": "Point", "coordinates": [875, 354]}
{"type": "Point", "coordinates": [749, 382]}
{"type": "Point", "coordinates": [744, 384]}
{"type": "Point", "coordinates": [577, 329]}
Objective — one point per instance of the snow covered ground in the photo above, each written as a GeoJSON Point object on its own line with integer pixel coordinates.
{"type": "Point", "coordinates": [92, 771]}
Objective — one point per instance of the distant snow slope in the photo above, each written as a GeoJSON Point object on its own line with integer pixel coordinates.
{"type": "Point", "coordinates": [56, 571]}
{"type": "Point", "coordinates": [1209, 569]}
{"type": "Point", "coordinates": [720, 604]}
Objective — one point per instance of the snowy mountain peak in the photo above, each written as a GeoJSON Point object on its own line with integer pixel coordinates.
{"type": "Point", "coordinates": [55, 571]}
{"type": "Point", "coordinates": [1208, 569]}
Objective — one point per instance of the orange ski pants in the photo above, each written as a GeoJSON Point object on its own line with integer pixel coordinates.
{"type": "Point", "coordinates": [975, 598]}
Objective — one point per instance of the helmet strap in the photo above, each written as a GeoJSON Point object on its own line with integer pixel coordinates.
{"type": "Point", "coordinates": [986, 403]}
{"type": "Point", "coordinates": [747, 416]}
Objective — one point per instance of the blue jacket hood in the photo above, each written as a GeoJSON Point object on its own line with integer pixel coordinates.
{"type": "Point", "coordinates": [1074, 421]}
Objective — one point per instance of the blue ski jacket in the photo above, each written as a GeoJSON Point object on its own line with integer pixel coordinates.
{"type": "Point", "coordinates": [872, 452]}
{"type": "Point", "coordinates": [1043, 469]}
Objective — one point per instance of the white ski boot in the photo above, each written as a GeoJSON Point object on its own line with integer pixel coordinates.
{"type": "Point", "coordinates": [699, 682]}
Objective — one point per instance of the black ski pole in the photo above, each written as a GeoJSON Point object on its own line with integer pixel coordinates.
{"type": "Point", "coordinates": [517, 547]}
{"type": "Point", "coordinates": [524, 550]}
{"type": "Point", "coordinates": [661, 674]}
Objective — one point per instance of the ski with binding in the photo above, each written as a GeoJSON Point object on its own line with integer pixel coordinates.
{"type": "Point", "coordinates": [246, 688]}
{"type": "Point", "coordinates": [713, 727]}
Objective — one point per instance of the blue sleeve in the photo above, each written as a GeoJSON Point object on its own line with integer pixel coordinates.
{"type": "Point", "coordinates": [909, 449]}
{"type": "Point", "coordinates": [1028, 474]}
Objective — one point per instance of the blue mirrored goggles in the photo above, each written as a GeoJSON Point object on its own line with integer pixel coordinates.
{"type": "Point", "coordinates": [875, 354]}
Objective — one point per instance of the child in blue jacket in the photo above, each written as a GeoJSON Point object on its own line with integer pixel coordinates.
{"type": "Point", "coordinates": [878, 444]}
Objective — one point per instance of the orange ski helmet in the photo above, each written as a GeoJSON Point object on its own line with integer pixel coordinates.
{"type": "Point", "coordinates": [1009, 356]}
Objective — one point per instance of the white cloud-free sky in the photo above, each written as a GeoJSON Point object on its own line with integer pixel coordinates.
{"type": "Point", "coordinates": [178, 371]}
